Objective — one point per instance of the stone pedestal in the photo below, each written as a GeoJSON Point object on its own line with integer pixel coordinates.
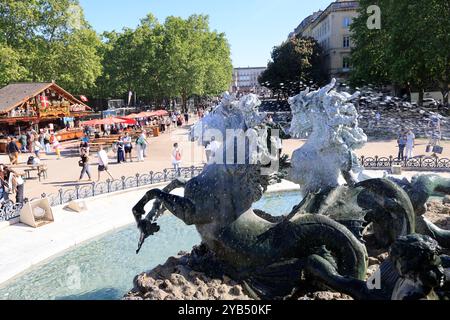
{"type": "Point", "coordinates": [396, 169]}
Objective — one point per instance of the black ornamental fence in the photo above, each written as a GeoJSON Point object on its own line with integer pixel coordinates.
{"type": "Point", "coordinates": [9, 210]}
{"type": "Point", "coordinates": [417, 163]}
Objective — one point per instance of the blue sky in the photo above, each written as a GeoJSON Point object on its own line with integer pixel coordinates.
{"type": "Point", "coordinates": [253, 27]}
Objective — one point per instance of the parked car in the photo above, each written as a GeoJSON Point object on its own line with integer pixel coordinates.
{"type": "Point", "coordinates": [430, 102]}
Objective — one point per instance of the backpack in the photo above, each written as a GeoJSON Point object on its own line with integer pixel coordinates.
{"type": "Point", "coordinates": [30, 160]}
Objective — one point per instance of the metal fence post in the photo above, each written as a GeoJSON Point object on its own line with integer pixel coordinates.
{"type": "Point", "coordinates": [93, 189]}
{"type": "Point", "coordinates": [60, 191]}
{"type": "Point", "coordinates": [77, 191]}
{"type": "Point", "coordinates": [137, 179]}
{"type": "Point", "coordinates": [108, 185]}
{"type": "Point", "coordinates": [123, 183]}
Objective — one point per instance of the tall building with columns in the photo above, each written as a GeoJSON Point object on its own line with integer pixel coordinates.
{"type": "Point", "coordinates": [331, 28]}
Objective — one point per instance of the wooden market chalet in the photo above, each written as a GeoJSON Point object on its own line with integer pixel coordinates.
{"type": "Point", "coordinates": [25, 105]}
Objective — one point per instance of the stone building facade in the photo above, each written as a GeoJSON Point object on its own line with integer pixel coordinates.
{"type": "Point", "coordinates": [331, 28]}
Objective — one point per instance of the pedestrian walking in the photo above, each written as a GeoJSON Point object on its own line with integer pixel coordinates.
{"type": "Point", "coordinates": [30, 141]}
{"type": "Point", "coordinates": [176, 159]}
{"type": "Point", "coordinates": [211, 150]}
{"type": "Point", "coordinates": [13, 150]}
{"type": "Point", "coordinates": [103, 162]}
{"type": "Point", "coordinates": [16, 184]}
{"type": "Point", "coordinates": [434, 127]}
{"type": "Point", "coordinates": [84, 164]}
{"type": "Point", "coordinates": [41, 137]}
{"type": "Point", "coordinates": [142, 145]}
{"type": "Point", "coordinates": [128, 147]}
{"type": "Point", "coordinates": [410, 142]}
{"type": "Point", "coordinates": [56, 146]}
{"type": "Point", "coordinates": [4, 188]}
{"type": "Point", "coordinates": [401, 146]}
{"type": "Point", "coordinates": [23, 142]}
{"type": "Point", "coordinates": [47, 142]}
{"type": "Point", "coordinates": [120, 151]}
{"type": "Point", "coordinates": [174, 120]}
{"type": "Point", "coordinates": [377, 118]}
{"type": "Point", "coordinates": [37, 147]}
{"type": "Point", "coordinates": [168, 123]}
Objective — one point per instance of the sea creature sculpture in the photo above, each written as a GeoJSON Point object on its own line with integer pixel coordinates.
{"type": "Point", "coordinates": [252, 244]}
{"type": "Point", "coordinates": [419, 190]}
{"type": "Point", "coordinates": [325, 167]}
{"type": "Point", "coordinates": [332, 121]}
{"type": "Point", "coordinates": [415, 270]}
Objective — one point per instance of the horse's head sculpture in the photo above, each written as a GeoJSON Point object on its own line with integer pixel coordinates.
{"type": "Point", "coordinates": [235, 123]}
{"type": "Point", "coordinates": [331, 121]}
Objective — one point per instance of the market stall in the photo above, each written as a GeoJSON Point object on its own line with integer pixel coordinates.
{"type": "Point", "coordinates": [25, 106]}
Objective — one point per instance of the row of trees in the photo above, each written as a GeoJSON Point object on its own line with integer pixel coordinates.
{"type": "Point", "coordinates": [44, 40]}
{"type": "Point", "coordinates": [180, 58]}
{"type": "Point", "coordinates": [412, 48]}
{"type": "Point", "coordinates": [295, 63]}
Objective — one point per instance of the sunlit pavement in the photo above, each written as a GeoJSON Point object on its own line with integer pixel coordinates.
{"type": "Point", "coordinates": [64, 173]}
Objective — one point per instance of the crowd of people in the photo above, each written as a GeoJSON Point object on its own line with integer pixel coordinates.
{"type": "Point", "coordinates": [164, 123]}
{"type": "Point", "coordinates": [10, 183]}
{"type": "Point", "coordinates": [407, 140]}
{"type": "Point", "coordinates": [34, 143]}
{"type": "Point", "coordinates": [126, 144]}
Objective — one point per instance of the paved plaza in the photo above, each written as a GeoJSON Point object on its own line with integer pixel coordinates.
{"type": "Point", "coordinates": [64, 173]}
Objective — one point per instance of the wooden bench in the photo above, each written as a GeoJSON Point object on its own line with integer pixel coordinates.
{"type": "Point", "coordinates": [40, 169]}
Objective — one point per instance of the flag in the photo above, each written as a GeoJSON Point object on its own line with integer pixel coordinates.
{"type": "Point", "coordinates": [130, 94]}
{"type": "Point", "coordinates": [44, 101]}
{"type": "Point", "coordinates": [84, 99]}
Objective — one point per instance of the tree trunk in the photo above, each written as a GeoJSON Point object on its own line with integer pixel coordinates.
{"type": "Point", "coordinates": [184, 97]}
{"type": "Point", "coordinates": [420, 101]}
{"type": "Point", "coordinates": [445, 94]}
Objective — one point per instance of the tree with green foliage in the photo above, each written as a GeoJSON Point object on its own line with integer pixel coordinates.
{"type": "Point", "coordinates": [295, 62]}
{"type": "Point", "coordinates": [195, 61]}
{"type": "Point", "coordinates": [51, 40]}
{"type": "Point", "coordinates": [44, 40]}
{"type": "Point", "coordinates": [10, 67]}
{"type": "Point", "coordinates": [412, 48]}
{"type": "Point", "coordinates": [369, 58]}
{"type": "Point", "coordinates": [180, 58]}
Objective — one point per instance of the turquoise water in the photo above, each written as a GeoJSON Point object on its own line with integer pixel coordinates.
{"type": "Point", "coordinates": [104, 269]}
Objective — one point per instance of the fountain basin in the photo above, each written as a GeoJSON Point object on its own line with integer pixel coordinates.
{"type": "Point", "coordinates": [104, 268]}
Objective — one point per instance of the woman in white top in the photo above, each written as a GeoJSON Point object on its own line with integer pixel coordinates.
{"type": "Point", "coordinates": [176, 158]}
{"type": "Point", "coordinates": [37, 147]}
{"type": "Point", "coordinates": [410, 141]}
{"type": "Point", "coordinates": [103, 162]}
{"type": "Point", "coordinates": [15, 184]}
{"type": "Point", "coordinates": [211, 151]}
{"type": "Point", "coordinates": [142, 145]}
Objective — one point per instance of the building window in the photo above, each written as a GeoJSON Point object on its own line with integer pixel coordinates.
{"type": "Point", "coordinates": [346, 22]}
{"type": "Point", "coordinates": [346, 63]}
{"type": "Point", "coordinates": [346, 43]}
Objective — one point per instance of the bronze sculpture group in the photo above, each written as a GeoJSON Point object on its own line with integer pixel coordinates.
{"type": "Point", "coordinates": [322, 239]}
